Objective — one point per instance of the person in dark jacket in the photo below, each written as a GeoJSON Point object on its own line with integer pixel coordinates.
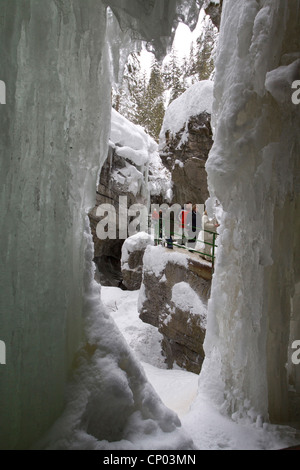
{"type": "Point", "coordinates": [183, 220]}
{"type": "Point", "coordinates": [194, 226]}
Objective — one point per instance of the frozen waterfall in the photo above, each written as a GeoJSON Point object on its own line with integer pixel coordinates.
{"type": "Point", "coordinates": [253, 171]}
{"type": "Point", "coordinates": [55, 62]}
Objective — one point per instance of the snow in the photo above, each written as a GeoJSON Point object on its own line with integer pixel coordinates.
{"type": "Point", "coordinates": [144, 339]}
{"type": "Point", "coordinates": [186, 299]}
{"type": "Point", "coordinates": [157, 257]}
{"type": "Point", "coordinates": [136, 242]}
{"type": "Point", "coordinates": [165, 381]}
{"type": "Point", "coordinates": [179, 163]}
{"type": "Point", "coordinates": [131, 176]}
{"type": "Point", "coordinates": [178, 389]}
{"type": "Point", "coordinates": [102, 409]}
{"type": "Point", "coordinates": [131, 141]}
{"type": "Point", "coordinates": [195, 100]}
{"type": "Point", "coordinates": [144, 168]}
{"type": "Point", "coordinates": [212, 431]}
{"type": "Point", "coordinates": [160, 180]}
{"type": "Point", "coordinates": [138, 157]}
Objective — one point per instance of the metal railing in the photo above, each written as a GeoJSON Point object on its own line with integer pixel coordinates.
{"type": "Point", "coordinates": [184, 239]}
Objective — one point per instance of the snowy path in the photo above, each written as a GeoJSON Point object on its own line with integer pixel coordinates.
{"type": "Point", "coordinates": [178, 388]}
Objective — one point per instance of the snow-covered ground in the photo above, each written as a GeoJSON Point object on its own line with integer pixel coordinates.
{"type": "Point", "coordinates": [178, 389]}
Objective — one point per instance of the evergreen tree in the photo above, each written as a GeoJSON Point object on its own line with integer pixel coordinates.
{"type": "Point", "coordinates": [191, 69]}
{"type": "Point", "coordinates": [143, 102]}
{"type": "Point", "coordinates": [154, 101]}
{"type": "Point", "coordinates": [177, 78]}
{"type": "Point", "coordinates": [124, 96]}
{"type": "Point", "coordinates": [204, 64]}
{"type": "Point", "coordinates": [140, 97]}
{"type": "Point", "coordinates": [167, 75]}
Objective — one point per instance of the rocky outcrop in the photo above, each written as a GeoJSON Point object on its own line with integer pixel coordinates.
{"type": "Point", "coordinates": [183, 337]}
{"type": "Point", "coordinates": [174, 295]}
{"type": "Point", "coordinates": [186, 159]}
{"type": "Point", "coordinates": [118, 178]}
{"type": "Point", "coordinates": [215, 11]}
{"type": "Point", "coordinates": [134, 171]}
{"type": "Point", "coordinates": [185, 142]}
{"type": "Point", "coordinates": [132, 260]}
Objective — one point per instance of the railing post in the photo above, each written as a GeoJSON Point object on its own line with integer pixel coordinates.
{"type": "Point", "coordinates": [213, 251]}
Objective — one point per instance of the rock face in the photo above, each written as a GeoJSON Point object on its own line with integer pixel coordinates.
{"type": "Point", "coordinates": [173, 297]}
{"type": "Point", "coordinates": [185, 141]}
{"type": "Point", "coordinates": [183, 339]}
{"type": "Point", "coordinates": [186, 159]}
{"type": "Point", "coordinates": [111, 186]}
{"type": "Point", "coordinates": [215, 11]}
{"type": "Point", "coordinates": [134, 171]}
{"type": "Point", "coordinates": [132, 260]}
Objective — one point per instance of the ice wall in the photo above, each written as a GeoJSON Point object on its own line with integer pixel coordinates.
{"type": "Point", "coordinates": [253, 170]}
{"type": "Point", "coordinates": [54, 134]}
{"type": "Point", "coordinates": [51, 147]}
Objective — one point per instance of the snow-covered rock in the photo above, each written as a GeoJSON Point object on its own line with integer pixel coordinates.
{"type": "Point", "coordinates": [185, 142]}
{"type": "Point", "coordinates": [214, 10]}
{"type": "Point", "coordinates": [195, 100]}
{"type": "Point", "coordinates": [133, 251]}
{"type": "Point", "coordinates": [133, 169]}
{"type": "Point", "coordinates": [173, 298]}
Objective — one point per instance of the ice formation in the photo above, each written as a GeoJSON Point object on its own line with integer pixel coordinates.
{"type": "Point", "coordinates": [253, 171]}
{"type": "Point", "coordinates": [54, 137]}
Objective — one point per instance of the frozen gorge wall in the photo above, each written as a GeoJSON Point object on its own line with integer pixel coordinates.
{"type": "Point", "coordinates": [51, 144]}
{"type": "Point", "coordinates": [253, 170]}
{"type": "Point", "coordinates": [54, 134]}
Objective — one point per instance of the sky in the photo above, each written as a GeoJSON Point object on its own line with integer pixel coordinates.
{"type": "Point", "coordinates": [182, 43]}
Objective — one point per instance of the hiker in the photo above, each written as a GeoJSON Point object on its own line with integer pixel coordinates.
{"type": "Point", "coordinates": [155, 224]}
{"type": "Point", "coordinates": [182, 217]}
{"type": "Point", "coordinates": [169, 228]}
{"type": "Point", "coordinates": [194, 226]}
{"type": "Point", "coordinates": [209, 227]}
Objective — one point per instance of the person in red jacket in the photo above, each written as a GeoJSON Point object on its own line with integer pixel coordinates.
{"type": "Point", "coordinates": [183, 216]}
